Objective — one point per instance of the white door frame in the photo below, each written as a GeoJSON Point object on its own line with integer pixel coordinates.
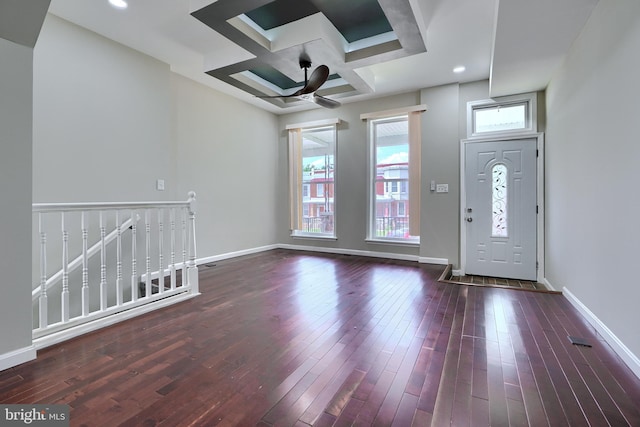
{"type": "Point", "coordinates": [539, 196]}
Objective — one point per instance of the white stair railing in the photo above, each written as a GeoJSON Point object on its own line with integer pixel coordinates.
{"type": "Point", "coordinates": [86, 254]}
{"type": "Point", "coordinates": [100, 296]}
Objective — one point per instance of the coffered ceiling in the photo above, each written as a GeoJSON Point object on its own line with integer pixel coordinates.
{"type": "Point", "coordinates": [252, 48]}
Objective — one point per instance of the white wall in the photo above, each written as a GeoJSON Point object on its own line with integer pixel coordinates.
{"type": "Point", "coordinates": [592, 156]}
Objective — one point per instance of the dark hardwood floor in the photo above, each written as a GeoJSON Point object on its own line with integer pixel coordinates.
{"type": "Point", "coordinates": [287, 338]}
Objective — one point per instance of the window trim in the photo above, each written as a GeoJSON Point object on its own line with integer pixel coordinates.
{"type": "Point", "coordinates": [387, 116]}
{"type": "Point", "coordinates": [294, 194]}
{"type": "Point", "coordinates": [529, 100]}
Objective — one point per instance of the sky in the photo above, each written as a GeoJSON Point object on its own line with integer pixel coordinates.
{"type": "Point", "coordinates": [386, 155]}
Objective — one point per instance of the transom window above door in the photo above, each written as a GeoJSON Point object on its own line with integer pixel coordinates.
{"type": "Point", "coordinates": [504, 115]}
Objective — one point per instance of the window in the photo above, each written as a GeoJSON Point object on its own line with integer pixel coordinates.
{"type": "Point", "coordinates": [394, 191]}
{"type": "Point", "coordinates": [502, 115]}
{"type": "Point", "coordinates": [312, 179]}
{"type": "Point", "coordinates": [499, 200]}
{"type": "Point", "coordinates": [499, 118]}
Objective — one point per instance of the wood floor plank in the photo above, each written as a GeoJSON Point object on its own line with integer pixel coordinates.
{"type": "Point", "coordinates": [298, 339]}
{"type": "Point", "coordinates": [372, 405]}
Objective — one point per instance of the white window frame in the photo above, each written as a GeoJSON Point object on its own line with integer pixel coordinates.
{"type": "Point", "coordinates": [372, 164]}
{"type": "Point", "coordinates": [529, 100]}
{"type": "Point", "coordinates": [295, 233]}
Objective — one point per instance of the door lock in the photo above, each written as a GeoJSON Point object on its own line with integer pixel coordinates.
{"type": "Point", "coordinates": [469, 219]}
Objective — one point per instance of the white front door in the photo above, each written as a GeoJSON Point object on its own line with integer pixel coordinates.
{"type": "Point", "coordinates": [500, 209]}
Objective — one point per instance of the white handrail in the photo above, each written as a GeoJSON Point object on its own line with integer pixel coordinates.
{"type": "Point", "coordinates": [98, 206]}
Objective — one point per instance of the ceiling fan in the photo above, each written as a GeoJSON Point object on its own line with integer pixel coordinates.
{"type": "Point", "coordinates": [308, 92]}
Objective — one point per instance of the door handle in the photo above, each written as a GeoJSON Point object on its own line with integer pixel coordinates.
{"type": "Point", "coordinates": [469, 219]}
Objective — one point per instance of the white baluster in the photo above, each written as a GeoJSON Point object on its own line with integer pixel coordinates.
{"type": "Point", "coordinates": [44, 320]}
{"type": "Point", "coordinates": [65, 272]}
{"type": "Point", "coordinates": [192, 269]}
{"type": "Point", "coordinates": [85, 265]}
{"type": "Point", "coordinates": [134, 261]}
{"type": "Point", "coordinates": [160, 249]}
{"type": "Point", "coordinates": [172, 268]}
{"type": "Point", "coordinates": [103, 264]}
{"type": "Point", "coordinates": [184, 248]}
{"type": "Point", "coordinates": [147, 227]}
{"type": "Point", "coordinates": [118, 260]}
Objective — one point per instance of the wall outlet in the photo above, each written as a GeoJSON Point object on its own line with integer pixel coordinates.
{"type": "Point", "coordinates": [160, 185]}
{"type": "Point", "coordinates": [442, 188]}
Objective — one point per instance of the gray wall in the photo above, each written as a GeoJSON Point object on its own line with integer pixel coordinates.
{"type": "Point", "coordinates": [15, 190]}
{"type": "Point", "coordinates": [227, 152]}
{"type": "Point", "coordinates": [592, 172]}
{"type": "Point", "coordinates": [19, 28]}
{"type": "Point", "coordinates": [102, 127]}
{"type": "Point", "coordinates": [109, 121]}
{"type": "Point", "coordinates": [440, 163]}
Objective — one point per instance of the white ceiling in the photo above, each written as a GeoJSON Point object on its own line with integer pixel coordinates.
{"type": "Point", "coordinates": [518, 44]}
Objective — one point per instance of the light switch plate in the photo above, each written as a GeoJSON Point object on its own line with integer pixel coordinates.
{"type": "Point", "coordinates": [442, 188]}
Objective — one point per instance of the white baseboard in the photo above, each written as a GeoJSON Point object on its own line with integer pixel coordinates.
{"type": "Point", "coordinates": [457, 273]}
{"type": "Point", "coordinates": [339, 251]}
{"type": "Point", "coordinates": [17, 357]}
{"type": "Point", "coordinates": [618, 346]}
{"type": "Point", "coordinates": [548, 284]}
{"type": "Point", "coordinates": [429, 260]}
{"type": "Point", "coordinates": [228, 255]}
{"type": "Point", "coordinates": [356, 252]}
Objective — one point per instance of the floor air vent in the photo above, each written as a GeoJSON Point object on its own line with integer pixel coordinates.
{"type": "Point", "coordinates": [579, 341]}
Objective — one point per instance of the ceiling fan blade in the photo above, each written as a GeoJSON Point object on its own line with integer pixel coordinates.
{"type": "Point", "coordinates": [325, 102]}
{"type": "Point", "coordinates": [317, 79]}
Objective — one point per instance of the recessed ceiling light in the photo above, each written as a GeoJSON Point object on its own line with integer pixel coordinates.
{"type": "Point", "coordinates": [119, 4]}
{"type": "Point", "coordinates": [459, 69]}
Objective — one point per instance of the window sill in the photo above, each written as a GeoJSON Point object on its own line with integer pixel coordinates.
{"type": "Point", "coordinates": [311, 236]}
{"type": "Point", "coordinates": [397, 242]}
